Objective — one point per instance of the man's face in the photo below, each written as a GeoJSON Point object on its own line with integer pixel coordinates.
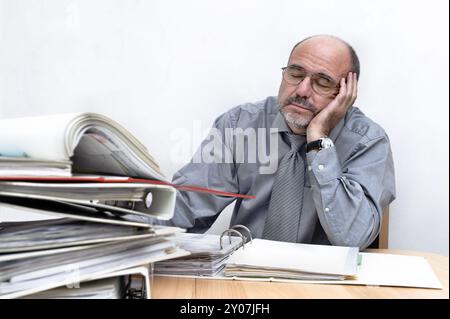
{"type": "Point", "coordinates": [321, 56]}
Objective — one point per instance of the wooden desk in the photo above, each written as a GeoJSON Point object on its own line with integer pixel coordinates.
{"type": "Point", "coordinates": [189, 288]}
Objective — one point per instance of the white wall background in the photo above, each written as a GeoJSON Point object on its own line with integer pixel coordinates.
{"type": "Point", "coordinates": [161, 64]}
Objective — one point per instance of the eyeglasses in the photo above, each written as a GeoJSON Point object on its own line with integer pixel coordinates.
{"type": "Point", "coordinates": [320, 83]}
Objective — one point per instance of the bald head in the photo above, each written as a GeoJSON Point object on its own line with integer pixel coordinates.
{"type": "Point", "coordinates": [335, 48]}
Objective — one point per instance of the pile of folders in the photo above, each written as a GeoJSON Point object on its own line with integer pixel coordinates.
{"type": "Point", "coordinates": [78, 194]}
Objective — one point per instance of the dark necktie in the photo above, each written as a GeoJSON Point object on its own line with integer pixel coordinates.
{"type": "Point", "coordinates": [283, 219]}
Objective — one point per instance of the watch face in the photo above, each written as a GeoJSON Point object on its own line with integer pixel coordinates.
{"type": "Point", "coordinates": [327, 142]}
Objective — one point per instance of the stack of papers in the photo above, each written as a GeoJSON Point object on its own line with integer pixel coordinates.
{"type": "Point", "coordinates": [92, 142]}
{"type": "Point", "coordinates": [98, 185]}
{"type": "Point", "coordinates": [101, 188]}
{"type": "Point", "coordinates": [25, 272]}
{"type": "Point", "coordinates": [37, 255]}
{"type": "Point", "coordinates": [65, 232]}
{"type": "Point", "coordinates": [273, 259]}
{"type": "Point", "coordinates": [110, 288]}
{"type": "Point", "coordinates": [207, 257]}
{"type": "Point", "coordinates": [25, 166]}
{"type": "Point", "coordinates": [85, 159]}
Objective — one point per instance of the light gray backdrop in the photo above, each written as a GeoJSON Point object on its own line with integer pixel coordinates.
{"type": "Point", "coordinates": [165, 69]}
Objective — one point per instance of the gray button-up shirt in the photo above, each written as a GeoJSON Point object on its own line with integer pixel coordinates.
{"type": "Point", "coordinates": [346, 186]}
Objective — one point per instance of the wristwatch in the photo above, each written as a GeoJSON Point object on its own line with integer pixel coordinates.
{"type": "Point", "coordinates": [321, 143]}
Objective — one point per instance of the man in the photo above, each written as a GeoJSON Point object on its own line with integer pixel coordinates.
{"type": "Point", "coordinates": [335, 170]}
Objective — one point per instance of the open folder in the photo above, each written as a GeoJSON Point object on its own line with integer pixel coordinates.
{"type": "Point", "coordinates": [93, 143]}
{"type": "Point", "coordinates": [266, 260]}
{"type": "Point", "coordinates": [274, 259]}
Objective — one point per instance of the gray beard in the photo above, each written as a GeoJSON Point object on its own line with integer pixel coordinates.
{"type": "Point", "coordinates": [296, 120]}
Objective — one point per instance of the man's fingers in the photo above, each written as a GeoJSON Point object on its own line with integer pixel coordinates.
{"type": "Point", "coordinates": [349, 87]}
{"type": "Point", "coordinates": [342, 91]}
{"type": "Point", "coordinates": [343, 86]}
{"type": "Point", "coordinates": [345, 94]}
{"type": "Point", "coordinates": [350, 96]}
{"type": "Point", "coordinates": [355, 87]}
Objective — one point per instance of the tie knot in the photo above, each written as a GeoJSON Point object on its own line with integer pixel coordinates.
{"type": "Point", "coordinates": [296, 141]}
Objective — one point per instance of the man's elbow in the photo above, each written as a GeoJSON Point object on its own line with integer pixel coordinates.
{"type": "Point", "coordinates": [362, 241]}
{"type": "Point", "coordinates": [351, 242]}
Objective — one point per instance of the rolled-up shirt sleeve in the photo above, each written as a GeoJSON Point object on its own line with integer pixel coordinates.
{"type": "Point", "coordinates": [350, 194]}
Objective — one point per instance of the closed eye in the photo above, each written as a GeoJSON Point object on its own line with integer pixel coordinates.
{"type": "Point", "coordinates": [324, 82]}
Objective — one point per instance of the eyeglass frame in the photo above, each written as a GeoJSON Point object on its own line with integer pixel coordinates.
{"type": "Point", "coordinates": [311, 75]}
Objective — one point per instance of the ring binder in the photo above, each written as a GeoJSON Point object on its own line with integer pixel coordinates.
{"type": "Point", "coordinates": [207, 258]}
{"type": "Point", "coordinates": [117, 203]}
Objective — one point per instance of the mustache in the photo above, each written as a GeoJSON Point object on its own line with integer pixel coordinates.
{"type": "Point", "coordinates": [301, 100]}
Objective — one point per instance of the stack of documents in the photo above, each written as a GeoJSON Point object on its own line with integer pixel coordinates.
{"type": "Point", "coordinates": [207, 256]}
{"type": "Point", "coordinates": [110, 288]}
{"type": "Point", "coordinates": [85, 159]}
{"type": "Point", "coordinates": [93, 143]}
{"type": "Point", "coordinates": [96, 186]}
{"type": "Point", "coordinates": [25, 273]}
{"type": "Point", "coordinates": [274, 259]}
{"type": "Point", "coordinates": [25, 166]}
{"type": "Point", "coordinates": [37, 255]}
{"type": "Point", "coordinates": [56, 233]}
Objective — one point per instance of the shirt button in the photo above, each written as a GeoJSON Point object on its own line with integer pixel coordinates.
{"type": "Point", "coordinates": [327, 210]}
{"type": "Point", "coordinates": [321, 167]}
{"type": "Point", "coordinates": [309, 168]}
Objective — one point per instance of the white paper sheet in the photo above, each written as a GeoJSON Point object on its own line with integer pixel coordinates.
{"type": "Point", "coordinates": [296, 258]}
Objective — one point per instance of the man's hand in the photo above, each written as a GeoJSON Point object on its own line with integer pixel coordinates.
{"type": "Point", "coordinates": [322, 124]}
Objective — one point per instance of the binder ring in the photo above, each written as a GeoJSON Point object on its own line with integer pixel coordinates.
{"type": "Point", "coordinates": [234, 231]}
{"type": "Point", "coordinates": [246, 229]}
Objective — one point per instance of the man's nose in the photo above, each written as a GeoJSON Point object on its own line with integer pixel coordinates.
{"type": "Point", "coordinates": [304, 87]}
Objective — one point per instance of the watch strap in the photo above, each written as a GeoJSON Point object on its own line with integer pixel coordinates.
{"type": "Point", "coordinates": [314, 145]}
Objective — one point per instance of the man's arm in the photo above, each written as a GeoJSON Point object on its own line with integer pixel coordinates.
{"type": "Point", "coordinates": [350, 197]}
